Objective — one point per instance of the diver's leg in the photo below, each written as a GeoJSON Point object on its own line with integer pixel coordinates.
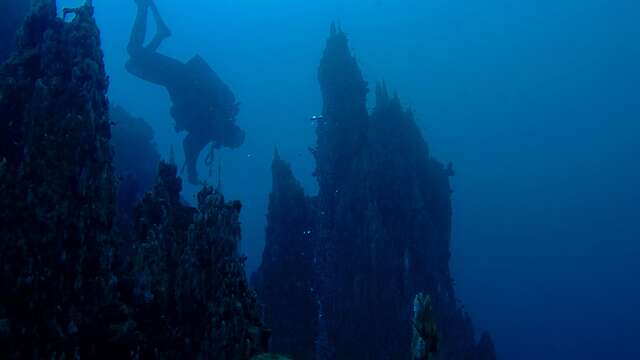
{"type": "Point", "coordinates": [193, 144]}
{"type": "Point", "coordinates": [139, 31]}
{"type": "Point", "coordinates": [145, 62]}
{"type": "Point", "coordinates": [158, 69]}
{"type": "Point", "coordinates": [162, 31]}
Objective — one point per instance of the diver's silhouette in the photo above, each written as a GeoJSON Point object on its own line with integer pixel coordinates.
{"type": "Point", "coordinates": [203, 105]}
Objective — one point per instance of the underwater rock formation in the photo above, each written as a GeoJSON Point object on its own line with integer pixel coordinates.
{"type": "Point", "coordinates": [341, 132]}
{"type": "Point", "coordinates": [57, 189]}
{"type": "Point", "coordinates": [485, 350]}
{"type": "Point", "coordinates": [284, 281]}
{"type": "Point", "coordinates": [136, 159]}
{"type": "Point", "coordinates": [212, 287]}
{"type": "Point", "coordinates": [270, 357]}
{"type": "Point", "coordinates": [13, 13]}
{"type": "Point", "coordinates": [341, 138]}
{"type": "Point", "coordinates": [71, 286]}
{"type": "Point", "coordinates": [382, 225]}
{"type": "Point", "coordinates": [186, 293]}
{"type": "Point", "coordinates": [425, 339]}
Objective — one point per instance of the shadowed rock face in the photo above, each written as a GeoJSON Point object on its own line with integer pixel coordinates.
{"type": "Point", "coordinates": [67, 288]}
{"type": "Point", "coordinates": [381, 227]}
{"type": "Point", "coordinates": [136, 159]}
{"type": "Point", "coordinates": [342, 267]}
{"type": "Point", "coordinates": [186, 290]}
{"type": "Point", "coordinates": [284, 281]}
{"type": "Point", "coordinates": [57, 190]}
{"type": "Point", "coordinates": [13, 13]}
{"type": "Point", "coordinates": [485, 349]}
{"type": "Point", "coordinates": [425, 340]}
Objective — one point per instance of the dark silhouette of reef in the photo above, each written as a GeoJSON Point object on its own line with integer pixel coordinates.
{"type": "Point", "coordinates": [340, 270]}
{"type": "Point", "coordinates": [285, 278]}
{"type": "Point", "coordinates": [71, 286]}
{"type": "Point", "coordinates": [185, 288]}
{"type": "Point", "coordinates": [57, 189]}
{"type": "Point", "coordinates": [135, 162]}
{"type": "Point", "coordinates": [380, 232]}
{"type": "Point", "coordinates": [13, 13]}
{"type": "Point", "coordinates": [426, 340]}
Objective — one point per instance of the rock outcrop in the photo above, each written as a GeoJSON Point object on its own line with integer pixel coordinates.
{"type": "Point", "coordinates": [13, 13]}
{"type": "Point", "coordinates": [340, 270]}
{"type": "Point", "coordinates": [426, 340]}
{"type": "Point", "coordinates": [186, 293]}
{"type": "Point", "coordinates": [70, 285]}
{"type": "Point", "coordinates": [285, 278]}
{"type": "Point", "coordinates": [485, 350]}
{"type": "Point", "coordinates": [136, 159]}
{"type": "Point", "coordinates": [381, 227]}
{"type": "Point", "coordinates": [57, 189]}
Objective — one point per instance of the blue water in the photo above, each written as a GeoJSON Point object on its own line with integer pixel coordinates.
{"type": "Point", "coordinates": [537, 104]}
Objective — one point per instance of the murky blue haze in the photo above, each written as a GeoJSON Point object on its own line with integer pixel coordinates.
{"type": "Point", "coordinates": [537, 104]}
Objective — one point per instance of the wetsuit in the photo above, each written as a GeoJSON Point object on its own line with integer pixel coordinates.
{"type": "Point", "coordinates": [202, 104]}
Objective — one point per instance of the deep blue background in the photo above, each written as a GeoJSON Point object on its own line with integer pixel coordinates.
{"type": "Point", "coordinates": [535, 102]}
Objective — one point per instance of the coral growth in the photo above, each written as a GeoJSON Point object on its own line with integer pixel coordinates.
{"type": "Point", "coordinates": [485, 350]}
{"type": "Point", "coordinates": [13, 13]}
{"type": "Point", "coordinates": [71, 286]}
{"type": "Point", "coordinates": [425, 340]}
{"type": "Point", "coordinates": [381, 227]}
{"type": "Point", "coordinates": [57, 188]}
{"type": "Point", "coordinates": [136, 159]}
{"type": "Point", "coordinates": [284, 281]}
{"type": "Point", "coordinates": [339, 272]}
{"type": "Point", "coordinates": [187, 294]}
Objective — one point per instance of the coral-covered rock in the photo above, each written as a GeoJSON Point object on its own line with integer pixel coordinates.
{"type": "Point", "coordinates": [13, 13]}
{"type": "Point", "coordinates": [425, 340]}
{"type": "Point", "coordinates": [485, 350]}
{"type": "Point", "coordinates": [188, 292]}
{"type": "Point", "coordinates": [212, 289]}
{"type": "Point", "coordinates": [381, 226]}
{"type": "Point", "coordinates": [284, 281]}
{"type": "Point", "coordinates": [341, 131]}
{"type": "Point", "coordinates": [72, 287]}
{"type": "Point", "coordinates": [270, 357]}
{"type": "Point", "coordinates": [136, 159]}
{"type": "Point", "coordinates": [57, 189]}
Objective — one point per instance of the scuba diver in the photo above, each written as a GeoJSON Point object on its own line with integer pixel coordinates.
{"type": "Point", "coordinates": [202, 104]}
